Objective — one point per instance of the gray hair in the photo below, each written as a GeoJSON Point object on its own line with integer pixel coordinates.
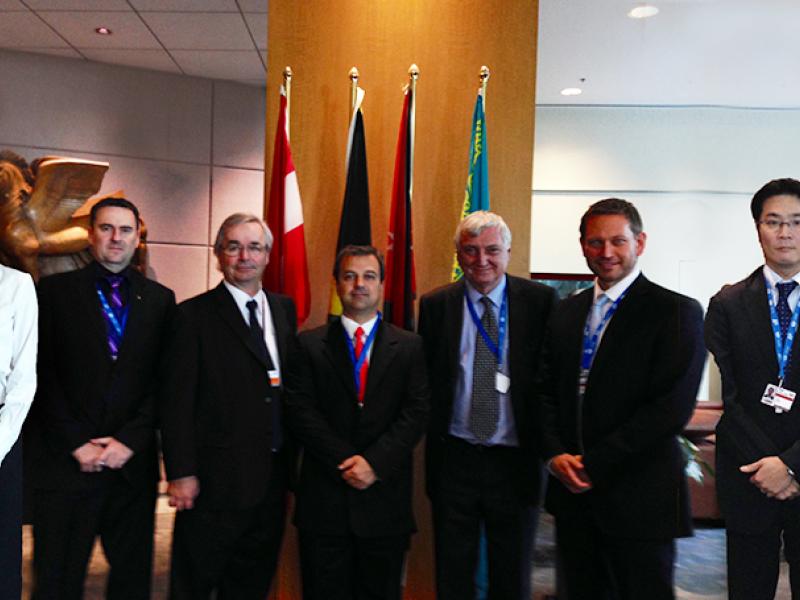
{"type": "Point", "coordinates": [475, 223]}
{"type": "Point", "coordinates": [239, 219]}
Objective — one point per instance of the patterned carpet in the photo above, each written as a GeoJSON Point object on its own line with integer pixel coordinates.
{"type": "Point", "coordinates": [699, 574]}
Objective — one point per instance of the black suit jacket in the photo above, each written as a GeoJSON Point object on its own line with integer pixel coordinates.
{"type": "Point", "coordinates": [640, 394]}
{"type": "Point", "coordinates": [324, 416]}
{"type": "Point", "coordinates": [739, 335]}
{"type": "Point", "coordinates": [82, 393]}
{"type": "Point", "coordinates": [216, 421]}
{"type": "Point", "coordinates": [440, 320]}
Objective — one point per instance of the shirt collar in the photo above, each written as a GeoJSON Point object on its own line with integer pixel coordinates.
{"type": "Point", "coordinates": [350, 326]}
{"type": "Point", "coordinates": [616, 290]}
{"type": "Point", "coordinates": [242, 298]}
{"type": "Point", "coordinates": [773, 278]}
{"type": "Point", "coordinates": [496, 295]}
{"type": "Point", "coordinates": [101, 272]}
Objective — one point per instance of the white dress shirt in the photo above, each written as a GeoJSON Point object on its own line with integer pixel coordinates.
{"type": "Point", "coordinates": [264, 318]}
{"type": "Point", "coordinates": [350, 327]}
{"type": "Point", "coordinates": [19, 318]}
{"type": "Point", "coordinates": [773, 279]}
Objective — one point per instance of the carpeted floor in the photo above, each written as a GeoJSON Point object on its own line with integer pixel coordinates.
{"type": "Point", "coordinates": [699, 574]}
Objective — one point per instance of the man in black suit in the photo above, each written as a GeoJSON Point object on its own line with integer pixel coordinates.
{"type": "Point", "coordinates": [750, 330]}
{"type": "Point", "coordinates": [225, 449]}
{"type": "Point", "coordinates": [620, 370]}
{"type": "Point", "coordinates": [482, 340]}
{"type": "Point", "coordinates": [358, 404]}
{"type": "Point", "coordinates": [102, 334]}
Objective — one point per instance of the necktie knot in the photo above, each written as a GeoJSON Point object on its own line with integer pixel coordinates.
{"type": "Point", "coordinates": [359, 339]}
{"type": "Point", "coordinates": [252, 305]}
{"type": "Point", "coordinates": [114, 281]}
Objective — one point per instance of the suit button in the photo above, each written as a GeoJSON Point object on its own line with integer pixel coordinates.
{"type": "Point", "coordinates": [267, 399]}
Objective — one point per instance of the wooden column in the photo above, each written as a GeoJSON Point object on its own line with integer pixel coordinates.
{"type": "Point", "coordinates": [449, 40]}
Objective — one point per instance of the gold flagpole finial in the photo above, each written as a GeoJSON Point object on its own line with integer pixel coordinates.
{"type": "Point", "coordinates": [484, 77]}
{"type": "Point", "coordinates": [353, 88]}
{"type": "Point", "coordinates": [287, 86]}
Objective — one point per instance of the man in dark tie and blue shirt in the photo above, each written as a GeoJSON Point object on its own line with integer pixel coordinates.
{"type": "Point", "coordinates": [751, 329]}
{"type": "Point", "coordinates": [102, 334]}
{"type": "Point", "coordinates": [482, 340]}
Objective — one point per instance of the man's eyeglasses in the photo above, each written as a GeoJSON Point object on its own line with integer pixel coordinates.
{"type": "Point", "coordinates": [775, 224]}
{"type": "Point", "coordinates": [234, 249]}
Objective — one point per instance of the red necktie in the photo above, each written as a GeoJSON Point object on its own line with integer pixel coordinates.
{"type": "Point", "coordinates": [362, 375]}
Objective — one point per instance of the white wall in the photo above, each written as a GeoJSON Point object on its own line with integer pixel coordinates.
{"type": "Point", "coordinates": [187, 151]}
{"type": "Point", "coordinates": [691, 172]}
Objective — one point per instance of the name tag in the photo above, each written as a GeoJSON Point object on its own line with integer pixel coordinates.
{"type": "Point", "coordinates": [502, 382]}
{"type": "Point", "coordinates": [778, 398]}
{"type": "Point", "coordinates": [274, 378]}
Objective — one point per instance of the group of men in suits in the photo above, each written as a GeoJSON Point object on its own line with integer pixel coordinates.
{"type": "Point", "coordinates": [501, 377]}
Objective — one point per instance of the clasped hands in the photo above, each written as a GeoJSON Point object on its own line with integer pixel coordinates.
{"type": "Point", "coordinates": [569, 470]}
{"type": "Point", "coordinates": [102, 452]}
{"type": "Point", "coordinates": [772, 477]}
{"type": "Point", "coordinates": [357, 472]}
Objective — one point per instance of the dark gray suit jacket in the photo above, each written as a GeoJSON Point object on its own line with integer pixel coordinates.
{"type": "Point", "coordinates": [441, 316]}
{"type": "Point", "coordinates": [640, 394]}
{"type": "Point", "coordinates": [739, 335]}
{"type": "Point", "coordinates": [216, 418]}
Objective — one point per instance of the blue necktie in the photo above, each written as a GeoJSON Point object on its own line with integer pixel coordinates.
{"type": "Point", "coordinates": [784, 312]}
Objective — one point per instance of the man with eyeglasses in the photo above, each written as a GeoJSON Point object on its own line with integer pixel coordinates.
{"type": "Point", "coordinates": [225, 448]}
{"type": "Point", "coordinates": [751, 328]}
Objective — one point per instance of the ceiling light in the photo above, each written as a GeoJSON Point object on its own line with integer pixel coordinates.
{"type": "Point", "coordinates": [571, 91]}
{"type": "Point", "coordinates": [643, 11]}
{"type": "Point", "coordinates": [102, 31]}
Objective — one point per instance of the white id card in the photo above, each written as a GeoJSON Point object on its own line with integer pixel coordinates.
{"type": "Point", "coordinates": [502, 382]}
{"type": "Point", "coordinates": [274, 378]}
{"type": "Point", "coordinates": [778, 397]}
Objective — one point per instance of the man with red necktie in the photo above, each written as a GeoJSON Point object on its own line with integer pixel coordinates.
{"type": "Point", "coordinates": [357, 401]}
{"type": "Point", "coordinates": [101, 337]}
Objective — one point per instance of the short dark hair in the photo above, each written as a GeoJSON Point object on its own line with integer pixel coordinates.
{"type": "Point", "coordinates": [776, 187]}
{"type": "Point", "coordinates": [353, 250]}
{"type": "Point", "coordinates": [613, 206]}
{"type": "Point", "coordinates": [117, 201]}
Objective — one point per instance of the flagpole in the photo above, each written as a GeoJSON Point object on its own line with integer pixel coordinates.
{"type": "Point", "coordinates": [353, 89]}
{"type": "Point", "coordinates": [413, 76]}
{"type": "Point", "coordinates": [484, 79]}
{"type": "Point", "coordinates": [287, 86]}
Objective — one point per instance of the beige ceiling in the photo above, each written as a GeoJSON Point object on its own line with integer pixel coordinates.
{"type": "Point", "coordinates": [220, 39]}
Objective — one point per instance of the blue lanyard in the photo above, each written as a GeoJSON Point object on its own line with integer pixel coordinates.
{"type": "Point", "coordinates": [496, 349]}
{"type": "Point", "coordinates": [592, 338]}
{"type": "Point", "coordinates": [783, 348]}
{"type": "Point", "coordinates": [110, 316]}
{"type": "Point", "coordinates": [357, 364]}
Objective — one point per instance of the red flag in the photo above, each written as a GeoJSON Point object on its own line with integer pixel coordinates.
{"type": "Point", "coordinates": [400, 287]}
{"type": "Point", "coordinates": [287, 271]}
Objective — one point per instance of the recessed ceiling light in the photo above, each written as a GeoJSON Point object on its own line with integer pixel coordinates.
{"type": "Point", "coordinates": [102, 31]}
{"type": "Point", "coordinates": [571, 91]}
{"type": "Point", "coordinates": [643, 11]}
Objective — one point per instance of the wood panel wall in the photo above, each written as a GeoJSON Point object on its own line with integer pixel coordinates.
{"type": "Point", "coordinates": [449, 40]}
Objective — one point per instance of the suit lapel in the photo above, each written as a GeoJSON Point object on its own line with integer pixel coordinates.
{"type": "Point", "coordinates": [93, 313]}
{"type": "Point", "coordinates": [336, 351]}
{"type": "Point", "coordinates": [454, 316]}
{"type": "Point", "coordinates": [622, 325]}
{"type": "Point", "coordinates": [755, 306]}
{"type": "Point", "coordinates": [384, 350]}
{"type": "Point", "coordinates": [230, 314]}
{"type": "Point", "coordinates": [281, 325]}
{"type": "Point", "coordinates": [136, 307]}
